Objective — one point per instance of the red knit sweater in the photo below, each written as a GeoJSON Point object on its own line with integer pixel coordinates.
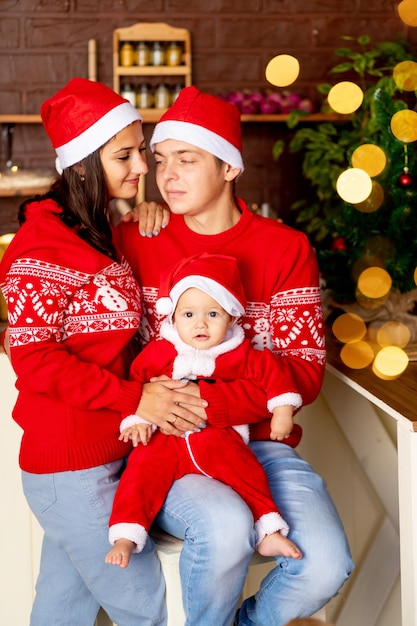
{"type": "Point", "coordinates": [281, 281]}
{"type": "Point", "coordinates": [72, 314]}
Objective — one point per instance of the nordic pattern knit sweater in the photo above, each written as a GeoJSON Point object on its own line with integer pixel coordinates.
{"type": "Point", "coordinates": [280, 275]}
{"type": "Point", "coordinates": [72, 312]}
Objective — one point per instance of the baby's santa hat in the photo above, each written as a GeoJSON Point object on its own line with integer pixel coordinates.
{"type": "Point", "coordinates": [215, 274]}
{"type": "Point", "coordinates": [82, 117]}
{"type": "Point", "coordinates": [203, 121]}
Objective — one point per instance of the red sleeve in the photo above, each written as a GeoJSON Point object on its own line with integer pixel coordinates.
{"type": "Point", "coordinates": [43, 362]}
{"type": "Point", "coordinates": [296, 304]}
{"type": "Point", "coordinates": [45, 366]}
{"type": "Point", "coordinates": [234, 402]}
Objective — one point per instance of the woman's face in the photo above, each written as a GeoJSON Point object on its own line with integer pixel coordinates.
{"type": "Point", "coordinates": [124, 160]}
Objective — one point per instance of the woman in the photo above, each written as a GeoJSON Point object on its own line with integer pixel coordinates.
{"type": "Point", "coordinates": [74, 307]}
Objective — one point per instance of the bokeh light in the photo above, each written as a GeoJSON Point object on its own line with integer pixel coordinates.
{"type": "Point", "coordinates": [374, 201]}
{"type": "Point", "coordinates": [282, 70]}
{"type": "Point", "coordinates": [405, 75]}
{"type": "Point", "coordinates": [374, 282]}
{"type": "Point", "coordinates": [379, 247]}
{"type": "Point", "coordinates": [357, 355]}
{"type": "Point", "coordinates": [354, 185]}
{"type": "Point", "coordinates": [349, 327]}
{"type": "Point", "coordinates": [370, 303]}
{"type": "Point", "coordinates": [404, 125]}
{"type": "Point", "coordinates": [345, 97]}
{"type": "Point", "coordinates": [370, 158]}
{"type": "Point", "coordinates": [390, 362]}
{"type": "Point", "coordinates": [415, 276]}
{"type": "Point", "coordinates": [393, 334]}
{"type": "Point", "coordinates": [407, 10]}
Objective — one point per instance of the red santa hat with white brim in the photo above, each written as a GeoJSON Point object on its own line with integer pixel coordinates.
{"type": "Point", "coordinates": [215, 274]}
{"type": "Point", "coordinates": [203, 121]}
{"type": "Point", "coordinates": [82, 117]}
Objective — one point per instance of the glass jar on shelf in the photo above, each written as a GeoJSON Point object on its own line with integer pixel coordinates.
{"type": "Point", "coordinates": [174, 54]}
{"type": "Point", "coordinates": [128, 91]}
{"type": "Point", "coordinates": [143, 53]}
{"type": "Point", "coordinates": [176, 92]}
{"type": "Point", "coordinates": [127, 56]}
{"type": "Point", "coordinates": [162, 96]}
{"type": "Point", "coordinates": [144, 97]}
{"type": "Point", "coordinates": [158, 55]}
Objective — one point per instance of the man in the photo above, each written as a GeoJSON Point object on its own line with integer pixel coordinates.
{"type": "Point", "coordinates": [197, 148]}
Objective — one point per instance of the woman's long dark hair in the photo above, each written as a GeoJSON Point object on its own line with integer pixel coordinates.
{"type": "Point", "coordinates": [84, 201]}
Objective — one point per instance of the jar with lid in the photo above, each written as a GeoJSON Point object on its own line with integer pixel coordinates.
{"type": "Point", "coordinates": [143, 53]}
{"type": "Point", "coordinates": [144, 97]}
{"type": "Point", "coordinates": [158, 56]}
{"type": "Point", "coordinates": [127, 91]}
{"type": "Point", "coordinates": [127, 57]}
{"type": "Point", "coordinates": [176, 92]}
{"type": "Point", "coordinates": [174, 54]}
{"type": "Point", "coordinates": [162, 96]}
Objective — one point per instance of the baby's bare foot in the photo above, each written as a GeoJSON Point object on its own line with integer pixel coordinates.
{"type": "Point", "coordinates": [120, 553]}
{"type": "Point", "coordinates": [278, 545]}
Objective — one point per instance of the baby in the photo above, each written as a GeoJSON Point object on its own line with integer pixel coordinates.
{"type": "Point", "coordinates": [203, 299]}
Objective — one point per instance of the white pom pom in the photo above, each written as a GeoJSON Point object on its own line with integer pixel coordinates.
{"type": "Point", "coordinates": [164, 306]}
{"type": "Point", "coordinates": [58, 166]}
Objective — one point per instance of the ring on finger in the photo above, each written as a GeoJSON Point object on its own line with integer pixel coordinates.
{"type": "Point", "coordinates": [175, 419]}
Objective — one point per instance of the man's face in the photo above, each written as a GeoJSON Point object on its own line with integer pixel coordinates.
{"type": "Point", "coordinates": [191, 181]}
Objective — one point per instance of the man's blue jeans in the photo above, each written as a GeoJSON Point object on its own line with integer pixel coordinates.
{"type": "Point", "coordinates": [218, 531]}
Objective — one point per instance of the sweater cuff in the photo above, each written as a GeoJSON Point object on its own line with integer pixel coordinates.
{"type": "Point", "coordinates": [130, 394]}
{"type": "Point", "coordinates": [217, 405]}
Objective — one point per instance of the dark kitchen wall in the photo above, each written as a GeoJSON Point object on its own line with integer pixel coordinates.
{"type": "Point", "coordinates": [44, 43]}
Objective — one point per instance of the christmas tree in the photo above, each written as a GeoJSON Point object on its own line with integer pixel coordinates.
{"type": "Point", "coordinates": [381, 231]}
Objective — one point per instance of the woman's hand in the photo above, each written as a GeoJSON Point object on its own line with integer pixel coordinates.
{"type": "Point", "coordinates": [150, 216]}
{"type": "Point", "coordinates": [174, 406]}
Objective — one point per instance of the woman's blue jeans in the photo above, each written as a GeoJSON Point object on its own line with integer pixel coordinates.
{"type": "Point", "coordinates": [73, 509]}
{"type": "Point", "coordinates": [218, 531]}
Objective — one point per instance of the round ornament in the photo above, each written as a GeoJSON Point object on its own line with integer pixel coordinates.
{"type": "Point", "coordinates": [405, 180]}
{"type": "Point", "coordinates": [339, 244]}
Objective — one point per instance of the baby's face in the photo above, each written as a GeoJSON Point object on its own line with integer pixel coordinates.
{"type": "Point", "coordinates": [200, 320]}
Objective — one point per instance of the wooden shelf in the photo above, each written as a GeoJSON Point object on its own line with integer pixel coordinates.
{"type": "Point", "coordinates": [396, 396]}
{"type": "Point", "coordinates": [153, 115]}
{"type": "Point", "coordinates": [149, 33]}
{"type": "Point", "coordinates": [10, 118]}
{"type": "Point", "coordinates": [23, 192]}
{"type": "Point", "coordinates": [283, 117]}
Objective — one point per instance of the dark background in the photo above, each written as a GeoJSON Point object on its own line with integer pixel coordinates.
{"type": "Point", "coordinates": [44, 43]}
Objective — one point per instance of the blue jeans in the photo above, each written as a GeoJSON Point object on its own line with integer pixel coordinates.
{"type": "Point", "coordinates": [73, 509]}
{"type": "Point", "coordinates": [218, 531]}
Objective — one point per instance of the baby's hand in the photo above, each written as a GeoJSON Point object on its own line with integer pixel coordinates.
{"type": "Point", "coordinates": [138, 433]}
{"type": "Point", "coordinates": [281, 423]}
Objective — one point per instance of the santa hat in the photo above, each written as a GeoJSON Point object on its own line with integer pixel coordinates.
{"type": "Point", "coordinates": [215, 274]}
{"type": "Point", "coordinates": [203, 121]}
{"type": "Point", "coordinates": [82, 117]}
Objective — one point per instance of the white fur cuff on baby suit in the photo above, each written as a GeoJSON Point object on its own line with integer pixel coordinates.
{"type": "Point", "coordinates": [133, 532]}
{"type": "Point", "coordinates": [132, 420]}
{"type": "Point", "coordinates": [268, 524]}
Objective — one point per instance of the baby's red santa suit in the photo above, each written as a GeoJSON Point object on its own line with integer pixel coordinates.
{"type": "Point", "coordinates": [213, 452]}
{"type": "Point", "coordinates": [219, 277]}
